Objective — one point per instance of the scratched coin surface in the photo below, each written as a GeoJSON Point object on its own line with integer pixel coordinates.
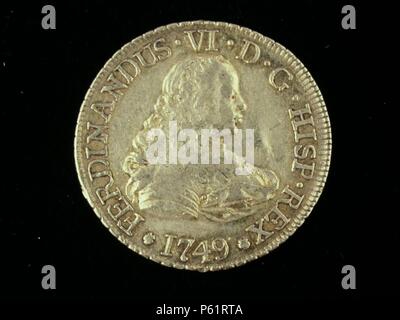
{"type": "Point", "coordinates": [203, 145]}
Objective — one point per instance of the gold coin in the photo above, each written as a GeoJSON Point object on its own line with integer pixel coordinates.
{"type": "Point", "coordinates": [203, 145]}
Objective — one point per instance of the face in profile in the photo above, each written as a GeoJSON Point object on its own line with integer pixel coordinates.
{"type": "Point", "coordinates": [204, 92]}
{"type": "Point", "coordinates": [199, 93]}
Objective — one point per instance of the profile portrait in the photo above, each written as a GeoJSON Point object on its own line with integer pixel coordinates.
{"type": "Point", "coordinates": [201, 92]}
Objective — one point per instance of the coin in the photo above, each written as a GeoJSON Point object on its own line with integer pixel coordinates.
{"type": "Point", "coordinates": [203, 145]}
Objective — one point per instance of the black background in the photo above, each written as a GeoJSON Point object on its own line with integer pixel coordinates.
{"type": "Point", "coordinates": [46, 220]}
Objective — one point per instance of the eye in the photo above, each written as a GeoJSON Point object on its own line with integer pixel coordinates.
{"type": "Point", "coordinates": [226, 91]}
{"type": "Point", "coordinates": [233, 96]}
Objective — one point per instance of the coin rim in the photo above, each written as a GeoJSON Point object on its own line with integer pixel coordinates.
{"type": "Point", "coordinates": [318, 106]}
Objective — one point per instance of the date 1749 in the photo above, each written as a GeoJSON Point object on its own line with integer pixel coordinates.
{"type": "Point", "coordinates": [206, 250]}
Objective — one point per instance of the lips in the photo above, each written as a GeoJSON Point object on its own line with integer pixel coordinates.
{"type": "Point", "coordinates": [238, 119]}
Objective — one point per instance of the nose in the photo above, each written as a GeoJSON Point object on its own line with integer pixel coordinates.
{"type": "Point", "coordinates": [240, 104]}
